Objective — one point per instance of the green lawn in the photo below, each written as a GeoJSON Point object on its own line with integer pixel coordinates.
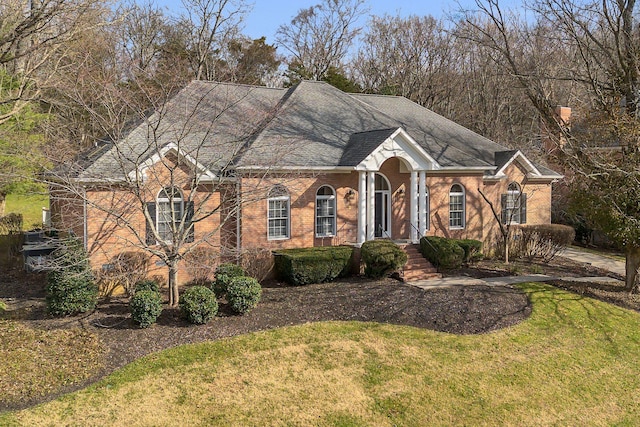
{"type": "Point", "coordinates": [575, 361]}
{"type": "Point", "coordinates": [30, 206]}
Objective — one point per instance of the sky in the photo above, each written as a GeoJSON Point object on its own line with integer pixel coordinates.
{"type": "Point", "coordinates": [267, 15]}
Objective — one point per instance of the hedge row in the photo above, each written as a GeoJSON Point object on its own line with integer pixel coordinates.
{"type": "Point", "coordinates": [313, 265]}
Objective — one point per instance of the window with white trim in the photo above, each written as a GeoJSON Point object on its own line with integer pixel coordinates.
{"type": "Point", "coordinates": [169, 212]}
{"type": "Point", "coordinates": [278, 206]}
{"type": "Point", "coordinates": [514, 205]}
{"type": "Point", "coordinates": [325, 212]}
{"type": "Point", "coordinates": [166, 215]}
{"type": "Point", "coordinates": [456, 207]}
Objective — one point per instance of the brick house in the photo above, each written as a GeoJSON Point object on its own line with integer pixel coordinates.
{"type": "Point", "coordinates": [239, 168]}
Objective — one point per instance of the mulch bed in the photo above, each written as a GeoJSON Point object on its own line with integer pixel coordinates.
{"type": "Point", "coordinates": [459, 310]}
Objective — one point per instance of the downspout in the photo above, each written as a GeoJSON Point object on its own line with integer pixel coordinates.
{"type": "Point", "coordinates": [85, 229]}
{"type": "Point", "coordinates": [238, 219]}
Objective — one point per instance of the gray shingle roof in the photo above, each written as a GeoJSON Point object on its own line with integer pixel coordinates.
{"type": "Point", "coordinates": [310, 125]}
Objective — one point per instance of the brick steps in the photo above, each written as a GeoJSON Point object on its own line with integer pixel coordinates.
{"type": "Point", "coordinates": [417, 267]}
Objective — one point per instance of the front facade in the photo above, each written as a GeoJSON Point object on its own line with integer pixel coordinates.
{"type": "Point", "coordinates": [263, 169]}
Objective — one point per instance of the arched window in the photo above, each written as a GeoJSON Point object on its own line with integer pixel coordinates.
{"type": "Point", "coordinates": [456, 207]}
{"type": "Point", "coordinates": [325, 212]}
{"type": "Point", "coordinates": [514, 205]}
{"type": "Point", "coordinates": [169, 212]}
{"type": "Point", "coordinates": [278, 203]}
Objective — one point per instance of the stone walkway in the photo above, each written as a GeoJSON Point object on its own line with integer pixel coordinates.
{"type": "Point", "coordinates": [600, 261]}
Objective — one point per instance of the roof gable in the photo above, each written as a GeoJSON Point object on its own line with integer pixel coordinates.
{"type": "Point", "coordinates": [398, 144]}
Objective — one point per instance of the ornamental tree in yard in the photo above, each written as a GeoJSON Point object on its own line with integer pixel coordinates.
{"type": "Point", "coordinates": [595, 70]}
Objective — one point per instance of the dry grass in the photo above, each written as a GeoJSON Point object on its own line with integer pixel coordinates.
{"type": "Point", "coordinates": [574, 362]}
{"type": "Point", "coordinates": [38, 363]}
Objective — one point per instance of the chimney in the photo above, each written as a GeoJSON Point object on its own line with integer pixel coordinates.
{"type": "Point", "coordinates": [554, 140]}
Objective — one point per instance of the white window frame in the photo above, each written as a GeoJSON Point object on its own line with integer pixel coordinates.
{"type": "Point", "coordinates": [512, 213]}
{"type": "Point", "coordinates": [463, 210]}
{"type": "Point", "coordinates": [326, 198]}
{"type": "Point", "coordinates": [177, 213]}
{"type": "Point", "coordinates": [278, 196]}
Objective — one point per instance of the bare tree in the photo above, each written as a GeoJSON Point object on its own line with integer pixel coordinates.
{"type": "Point", "coordinates": [320, 37]}
{"type": "Point", "coordinates": [210, 26]}
{"type": "Point", "coordinates": [600, 147]}
{"type": "Point", "coordinates": [410, 57]}
{"type": "Point", "coordinates": [34, 37]}
{"type": "Point", "coordinates": [165, 186]}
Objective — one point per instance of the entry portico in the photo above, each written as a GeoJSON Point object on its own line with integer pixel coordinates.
{"type": "Point", "coordinates": [374, 205]}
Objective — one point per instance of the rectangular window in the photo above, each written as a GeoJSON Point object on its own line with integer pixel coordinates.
{"type": "Point", "coordinates": [456, 211]}
{"type": "Point", "coordinates": [513, 208]}
{"type": "Point", "coordinates": [278, 226]}
{"type": "Point", "coordinates": [168, 219]}
{"type": "Point", "coordinates": [325, 216]}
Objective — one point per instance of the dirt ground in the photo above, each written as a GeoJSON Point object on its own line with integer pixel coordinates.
{"type": "Point", "coordinates": [460, 310]}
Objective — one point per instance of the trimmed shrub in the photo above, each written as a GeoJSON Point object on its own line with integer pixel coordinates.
{"type": "Point", "coordinates": [146, 307]}
{"type": "Point", "coordinates": [70, 288]}
{"type": "Point", "coordinates": [224, 274]}
{"type": "Point", "coordinates": [313, 265]}
{"type": "Point", "coordinates": [545, 240]}
{"type": "Point", "coordinates": [243, 294]}
{"type": "Point", "coordinates": [382, 257]}
{"type": "Point", "coordinates": [442, 252]}
{"type": "Point", "coordinates": [198, 304]}
{"type": "Point", "coordinates": [472, 249]}
{"type": "Point", "coordinates": [147, 285]}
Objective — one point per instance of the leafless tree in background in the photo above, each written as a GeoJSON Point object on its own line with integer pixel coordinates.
{"type": "Point", "coordinates": [319, 37]}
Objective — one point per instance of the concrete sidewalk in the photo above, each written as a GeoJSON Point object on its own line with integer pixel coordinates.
{"type": "Point", "coordinates": [447, 282]}
{"type": "Point", "coordinates": [600, 261]}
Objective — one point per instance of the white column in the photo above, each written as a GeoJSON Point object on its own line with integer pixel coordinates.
{"type": "Point", "coordinates": [371, 205]}
{"type": "Point", "coordinates": [362, 207]}
{"type": "Point", "coordinates": [413, 208]}
{"type": "Point", "coordinates": [422, 202]}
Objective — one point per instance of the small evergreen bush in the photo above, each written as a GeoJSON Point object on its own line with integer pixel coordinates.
{"type": "Point", "coordinates": [243, 294]}
{"type": "Point", "coordinates": [71, 288]}
{"type": "Point", "coordinates": [472, 249]}
{"type": "Point", "coordinates": [313, 265]}
{"type": "Point", "coordinates": [146, 306]}
{"type": "Point", "coordinates": [224, 274]}
{"type": "Point", "coordinates": [442, 252]}
{"type": "Point", "coordinates": [147, 285]}
{"type": "Point", "coordinates": [198, 304]}
{"type": "Point", "coordinates": [381, 257]}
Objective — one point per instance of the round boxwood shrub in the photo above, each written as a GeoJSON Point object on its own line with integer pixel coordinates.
{"type": "Point", "coordinates": [198, 304]}
{"type": "Point", "coordinates": [147, 285]}
{"type": "Point", "coordinates": [442, 252]}
{"type": "Point", "coordinates": [146, 306]}
{"type": "Point", "coordinates": [381, 257]}
{"type": "Point", "coordinates": [243, 294]}
{"type": "Point", "coordinates": [71, 288]}
{"type": "Point", "coordinates": [224, 274]}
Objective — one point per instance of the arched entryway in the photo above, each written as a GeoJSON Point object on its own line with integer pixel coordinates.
{"type": "Point", "coordinates": [382, 216]}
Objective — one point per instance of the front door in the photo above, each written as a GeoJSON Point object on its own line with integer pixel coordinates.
{"type": "Point", "coordinates": [382, 217]}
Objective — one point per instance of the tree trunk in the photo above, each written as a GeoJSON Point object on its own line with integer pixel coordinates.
{"type": "Point", "coordinates": [632, 258]}
{"type": "Point", "coordinates": [3, 197]}
{"type": "Point", "coordinates": [505, 237]}
{"type": "Point", "coordinates": [173, 283]}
